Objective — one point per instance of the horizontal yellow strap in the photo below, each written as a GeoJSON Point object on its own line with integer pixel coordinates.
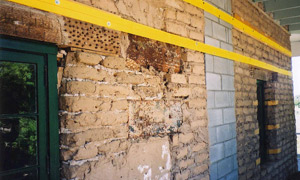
{"type": "Point", "coordinates": [256, 132]}
{"type": "Point", "coordinates": [255, 103]}
{"type": "Point", "coordinates": [271, 127]}
{"type": "Point", "coordinates": [98, 17]}
{"type": "Point", "coordinates": [257, 161]}
{"type": "Point", "coordinates": [271, 103]}
{"type": "Point", "coordinates": [274, 151]}
{"type": "Point", "coordinates": [238, 24]}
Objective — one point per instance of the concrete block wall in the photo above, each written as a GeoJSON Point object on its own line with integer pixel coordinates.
{"type": "Point", "coordinates": [220, 97]}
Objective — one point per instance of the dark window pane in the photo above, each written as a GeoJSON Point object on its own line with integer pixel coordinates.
{"type": "Point", "coordinates": [30, 175]}
{"type": "Point", "coordinates": [17, 88]}
{"type": "Point", "coordinates": [18, 143]}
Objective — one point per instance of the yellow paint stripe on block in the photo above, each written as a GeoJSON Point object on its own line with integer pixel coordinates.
{"type": "Point", "coordinates": [271, 103]}
{"type": "Point", "coordinates": [255, 103]}
{"type": "Point", "coordinates": [257, 161]}
{"type": "Point", "coordinates": [272, 127]}
{"type": "Point", "coordinates": [256, 132]}
{"type": "Point", "coordinates": [98, 17]}
{"type": "Point", "coordinates": [274, 151]}
{"type": "Point", "coordinates": [238, 24]}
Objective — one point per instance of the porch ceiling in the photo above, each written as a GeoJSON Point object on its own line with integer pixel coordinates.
{"type": "Point", "coordinates": [287, 12]}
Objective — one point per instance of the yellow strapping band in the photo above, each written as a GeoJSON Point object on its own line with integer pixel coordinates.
{"type": "Point", "coordinates": [238, 24]}
{"type": "Point", "coordinates": [257, 161]}
{"type": "Point", "coordinates": [271, 103]}
{"type": "Point", "coordinates": [272, 127]}
{"type": "Point", "coordinates": [274, 151]}
{"type": "Point", "coordinates": [255, 103]}
{"type": "Point", "coordinates": [98, 17]}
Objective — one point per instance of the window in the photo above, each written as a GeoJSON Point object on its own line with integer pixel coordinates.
{"type": "Point", "coordinates": [261, 120]}
{"type": "Point", "coordinates": [28, 117]}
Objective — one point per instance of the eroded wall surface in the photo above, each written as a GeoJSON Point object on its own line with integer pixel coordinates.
{"type": "Point", "coordinates": [281, 160]}
{"type": "Point", "coordinates": [134, 108]}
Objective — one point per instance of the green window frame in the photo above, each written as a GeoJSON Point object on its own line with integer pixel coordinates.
{"type": "Point", "coordinates": [45, 54]}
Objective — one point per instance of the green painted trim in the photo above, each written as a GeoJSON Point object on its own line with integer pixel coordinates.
{"type": "Point", "coordinates": [44, 55]}
{"type": "Point", "coordinates": [53, 117]}
{"type": "Point", "coordinates": [27, 45]}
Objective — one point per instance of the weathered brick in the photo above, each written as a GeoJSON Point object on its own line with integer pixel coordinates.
{"type": "Point", "coordinates": [114, 63]}
{"type": "Point", "coordinates": [186, 138]}
{"type": "Point", "coordinates": [176, 78]}
{"type": "Point", "coordinates": [129, 78]}
{"type": "Point", "coordinates": [88, 58]}
{"type": "Point", "coordinates": [195, 57]}
{"type": "Point", "coordinates": [176, 28]}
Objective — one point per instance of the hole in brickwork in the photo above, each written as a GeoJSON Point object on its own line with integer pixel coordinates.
{"type": "Point", "coordinates": [163, 57]}
{"type": "Point", "coordinates": [92, 37]}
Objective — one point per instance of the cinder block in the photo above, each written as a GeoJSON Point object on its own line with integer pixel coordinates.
{"type": "Point", "coordinates": [208, 27]}
{"type": "Point", "coordinates": [235, 165]}
{"type": "Point", "coordinates": [219, 3]}
{"type": "Point", "coordinates": [215, 117]}
{"type": "Point", "coordinates": [226, 46]}
{"type": "Point", "coordinates": [222, 99]}
{"type": "Point", "coordinates": [210, 99]}
{"type": "Point", "coordinates": [231, 96]}
{"type": "Point", "coordinates": [216, 152]}
{"type": "Point", "coordinates": [212, 135]}
{"type": "Point", "coordinates": [233, 175]}
{"type": "Point", "coordinates": [213, 42]}
{"type": "Point", "coordinates": [228, 6]}
{"type": "Point", "coordinates": [209, 63]}
{"type": "Point", "coordinates": [213, 81]}
{"type": "Point", "coordinates": [213, 171]}
{"type": "Point", "coordinates": [230, 68]}
{"type": "Point", "coordinates": [233, 129]}
{"type": "Point", "coordinates": [230, 147]}
{"type": "Point", "coordinates": [219, 32]}
{"type": "Point", "coordinates": [210, 16]}
{"type": "Point", "coordinates": [220, 65]}
{"type": "Point", "coordinates": [223, 133]}
{"type": "Point", "coordinates": [225, 166]}
{"type": "Point", "coordinates": [229, 115]}
{"type": "Point", "coordinates": [226, 24]}
{"type": "Point", "coordinates": [227, 83]}
{"type": "Point", "coordinates": [229, 40]}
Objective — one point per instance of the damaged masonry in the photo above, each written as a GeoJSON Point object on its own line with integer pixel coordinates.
{"type": "Point", "coordinates": [86, 102]}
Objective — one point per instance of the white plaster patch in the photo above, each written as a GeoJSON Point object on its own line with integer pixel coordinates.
{"type": "Point", "coordinates": [166, 152]}
{"type": "Point", "coordinates": [141, 168]}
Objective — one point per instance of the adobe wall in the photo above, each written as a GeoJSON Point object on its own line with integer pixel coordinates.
{"type": "Point", "coordinates": [281, 143]}
{"type": "Point", "coordinates": [130, 107]}
{"type": "Point", "coordinates": [134, 108]}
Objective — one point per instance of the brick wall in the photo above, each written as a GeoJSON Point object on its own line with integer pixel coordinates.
{"type": "Point", "coordinates": [220, 97]}
{"type": "Point", "coordinates": [112, 111]}
{"type": "Point", "coordinates": [135, 108]}
{"type": "Point", "coordinates": [20, 21]}
{"type": "Point", "coordinates": [279, 165]}
{"type": "Point", "coordinates": [260, 21]}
